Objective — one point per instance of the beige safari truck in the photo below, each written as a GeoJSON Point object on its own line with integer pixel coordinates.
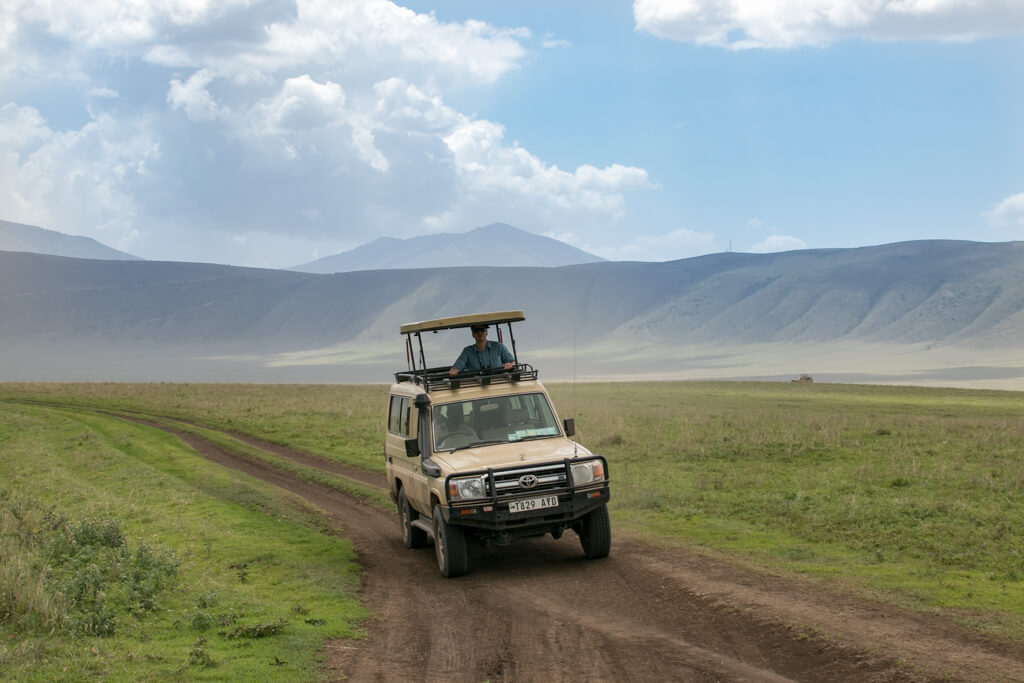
{"type": "Point", "coordinates": [482, 457]}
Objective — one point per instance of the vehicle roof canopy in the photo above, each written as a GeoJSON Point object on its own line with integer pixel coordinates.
{"type": "Point", "coordinates": [458, 321]}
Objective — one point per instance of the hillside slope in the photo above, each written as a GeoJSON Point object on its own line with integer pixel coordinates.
{"type": "Point", "coordinates": [620, 316]}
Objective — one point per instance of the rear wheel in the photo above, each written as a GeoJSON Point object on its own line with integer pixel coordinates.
{"type": "Point", "coordinates": [449, 546]}
{"type": "Point", "coordinates": [411, 536]}
{"type": "Point", "coordinates": [596, 534]}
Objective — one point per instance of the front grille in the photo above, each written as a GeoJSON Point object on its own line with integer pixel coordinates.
{"type": "Point", "coordinates": [549, 477]}
{"type": "Point", "coordinates": [504, 484]}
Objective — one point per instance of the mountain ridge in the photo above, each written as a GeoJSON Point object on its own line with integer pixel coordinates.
{"type": "Point", "coordinates": [931, 301]}
{"type": "Point", "coordinates": [36, 240]}
{"type": "Point", "coordinates": [497, 244]}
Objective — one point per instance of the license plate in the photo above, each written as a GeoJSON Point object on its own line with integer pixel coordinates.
{"type": "Point", "coordinates": [533, 504]}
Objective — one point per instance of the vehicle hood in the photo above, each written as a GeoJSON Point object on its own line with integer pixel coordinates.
{"type": "Point", "coordinates": [510, 454]}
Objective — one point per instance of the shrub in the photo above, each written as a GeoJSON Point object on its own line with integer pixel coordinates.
{"type": "Point", "coordinates": [74, 576]}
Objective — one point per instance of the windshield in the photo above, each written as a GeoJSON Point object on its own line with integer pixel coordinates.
{"type": "Point", "coordinates": [493, 420]}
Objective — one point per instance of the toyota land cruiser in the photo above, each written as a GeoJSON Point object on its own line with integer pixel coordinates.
{"type": "Point", "coordinates": [481, 456]}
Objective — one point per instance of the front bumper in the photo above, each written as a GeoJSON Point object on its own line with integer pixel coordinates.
{"type": "Point", "coordinates": [495, 516]}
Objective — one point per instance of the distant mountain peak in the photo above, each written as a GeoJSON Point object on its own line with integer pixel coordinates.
{"type": "Point", "coordinates": [35, 240]}
{"type": "Point", "coordinates": [496, 244]}
{"type": "Point", "coordinates": [499, 227]}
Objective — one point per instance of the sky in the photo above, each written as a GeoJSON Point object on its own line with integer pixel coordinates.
{"type": "Point", "coordinates": [270, 133]}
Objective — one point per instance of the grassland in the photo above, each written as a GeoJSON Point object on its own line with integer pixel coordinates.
{"type": "Point", "coordinates": [125, 556]}
{"type": "Point", "coordinates": [912, 495]}
{"type": "Point", "coordinates": [915, 495]}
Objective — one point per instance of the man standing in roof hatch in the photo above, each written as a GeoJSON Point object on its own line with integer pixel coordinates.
{"type": "Point", "coordinates": [482, 355]}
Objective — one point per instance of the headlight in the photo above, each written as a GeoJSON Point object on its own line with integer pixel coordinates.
{"type": "Point", "coordinates": [586, 472]}
{"type": "Point", "coordinates": [464, 489]}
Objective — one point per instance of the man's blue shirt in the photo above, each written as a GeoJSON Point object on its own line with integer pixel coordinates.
{"type": "Point", "coordinates": [494, 356]}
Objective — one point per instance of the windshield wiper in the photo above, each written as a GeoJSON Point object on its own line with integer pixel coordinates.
{"type": "Point", "coordinates": [536, 436]}
{"type": "Point", "coordinates": [477, 443]}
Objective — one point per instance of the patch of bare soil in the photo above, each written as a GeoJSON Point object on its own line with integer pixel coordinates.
{"type": "Point", "coordinates": [537, 611]}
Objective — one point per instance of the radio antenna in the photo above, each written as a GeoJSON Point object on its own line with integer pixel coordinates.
{"type": "Point", "coordinates": [572, 366]}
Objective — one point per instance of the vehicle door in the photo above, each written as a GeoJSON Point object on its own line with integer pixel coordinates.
{"type": "Point", "coordinates": [401, 427]}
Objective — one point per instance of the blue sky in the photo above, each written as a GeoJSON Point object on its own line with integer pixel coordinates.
{"type": "Point", "coordinates": [271, 132]}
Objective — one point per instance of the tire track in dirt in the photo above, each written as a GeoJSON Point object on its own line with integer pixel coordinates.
{"type": "Point", "coordinates": [537, 611]}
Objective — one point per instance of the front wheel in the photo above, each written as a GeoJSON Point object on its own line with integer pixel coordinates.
{"type": "Point", "coordinates": [411, 536]}
{"type": "Point", "coordinates": [596, 534]}
{"type": "Point", "coordinates": [449, 546]}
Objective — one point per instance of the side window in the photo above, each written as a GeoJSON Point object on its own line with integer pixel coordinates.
{"type": "Point", "coordinates": [405, 411]}
{"type": "Point", "coordinates": [395, 415]}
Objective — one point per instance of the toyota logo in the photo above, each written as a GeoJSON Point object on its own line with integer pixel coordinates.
{"type": "Point", "coordinates": [528, 481]}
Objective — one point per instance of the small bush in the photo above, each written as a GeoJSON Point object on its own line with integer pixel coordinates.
{"type": "Point", "coordinates": [272, 628]}
{"type": "Point", "coordinates": [78, 577]}
{"type": "Point", "coordinates": [105, 533]}
{"type": "Point", "coordinates": [198, 656]}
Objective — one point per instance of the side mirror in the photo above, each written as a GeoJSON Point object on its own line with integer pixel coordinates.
{"type": "Point", "coordinates": [570, 426]}
{"type": "Point", "coordinates": [412, 448]}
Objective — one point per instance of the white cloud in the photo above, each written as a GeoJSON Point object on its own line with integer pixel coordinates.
{"type": "Point", "coordinates": [309, 123]}
{"type": "Point", "coordinates": [101, 92]}
{"type": "Point", "coordinates": [485, 164]}
{"type": "Point", "coordinates": [304, 104]}
{"type": "Point", "coordinates": [550, 42]}
{"type": "Point", "coordinates": [1008, 213]}
{"type": "Point", "coordinates": [109, 24]}
{"type": "Point", "coordinates": [402, 106]}
{"type": "Point", "coordinates": [77, 178]}
{"type": "Point", "coordinates": [193, 98]}
{"type": "Point", "coordinates": [21, 128]}
{"type": "Point", "coordinates": [382, 37]}
{"type": "Point", "coordinates": [778, 243]}
{"type": "Point", "coordinates": [742, 24]}
{"type": "Point", "coordinates": [493, 173]}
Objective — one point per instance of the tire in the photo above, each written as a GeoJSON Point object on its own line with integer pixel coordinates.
{"type": "Point", "coordinates": [449, 546]}
{"type": "Point", "coordinates": [411, 536]}
{"type": "Point", "coordinates": [596, 534]}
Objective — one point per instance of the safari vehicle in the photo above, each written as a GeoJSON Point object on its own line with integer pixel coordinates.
{"type": "Point", "coordinates": [481, 456]}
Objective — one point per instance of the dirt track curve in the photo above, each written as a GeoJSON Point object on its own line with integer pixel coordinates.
{"type": "Point", "coordinates": [537, 611]}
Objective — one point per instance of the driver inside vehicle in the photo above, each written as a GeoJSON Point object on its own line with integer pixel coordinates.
{"type": "Point", "coordinates": [482, 354]}
{"type": "Point", "coordinates": [453, 427]}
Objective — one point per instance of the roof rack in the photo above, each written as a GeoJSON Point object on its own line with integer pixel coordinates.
{"type": "Point", "coordinates": [438, 378]}
{"type": "Point", "coordinates": [457, 321]}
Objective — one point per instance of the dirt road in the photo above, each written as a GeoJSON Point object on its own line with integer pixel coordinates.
{"type": "Point", "coordinates": [537, 611]}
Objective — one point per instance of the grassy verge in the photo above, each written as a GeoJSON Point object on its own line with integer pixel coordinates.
{"type": "Point", "coordinates": [127, 557]}
{"type": "Point", "coordinates": [357, 489]}
{"type": "Point", "coordinates": [341, 422]}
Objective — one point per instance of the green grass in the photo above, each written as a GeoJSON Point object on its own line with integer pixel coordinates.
{"type": "Point", "coordinates": [909, 494]}
{"type": "Point", "coordinates": [337, 482]}
{"type": "Point", "coordinates": [915, 494]}
{"type": "Point", "coordinates": [342, 422]}
{"type": "Point", "coordinates": [251, 587]}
